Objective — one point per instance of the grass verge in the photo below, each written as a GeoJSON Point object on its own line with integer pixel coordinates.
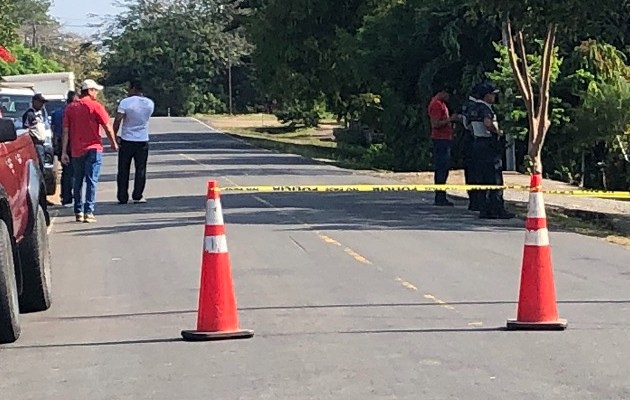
{"type": "Point", "coordinates": [586, 223]}
{"type": "Point", "coordinates": [264, 131]}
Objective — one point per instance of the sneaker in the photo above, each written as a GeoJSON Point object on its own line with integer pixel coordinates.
{"type": "Point", "coordinates": [141, 201]}
{"type": "Point", "coordinates": [89, 218]}
{"type": "Point", "coordinates": [79, 217]}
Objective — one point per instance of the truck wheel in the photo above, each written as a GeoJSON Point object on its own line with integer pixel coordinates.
{"type": "Point", "coordinates": [9, 304]}
{"type": "Point", "coordinates": [35, 262]}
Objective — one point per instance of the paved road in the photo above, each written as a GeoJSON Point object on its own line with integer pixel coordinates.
{"type": "Point", "coordinates": [352, 296]}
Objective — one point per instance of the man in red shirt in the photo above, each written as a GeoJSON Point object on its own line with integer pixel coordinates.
{"type": "Point", "coordinates": [442, 136]}
{"type": "Point", "coordinates": [82, 123]}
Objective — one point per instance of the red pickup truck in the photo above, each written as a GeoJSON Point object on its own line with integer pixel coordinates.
{"type": "Point", "coordinates": [24, 250]}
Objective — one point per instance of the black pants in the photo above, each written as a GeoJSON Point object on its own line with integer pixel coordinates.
{"type": "Point", "coordinates": [41, 154]}
{"type": "Point", "coordinates": [442, 162]}
{"type": "Point", "coordinates": [470, 172]}
{"type": "Point", "coordinates": [489, 171]}
{"type": "Point", "coordinates": [139, 153]}
{"type": "Point", "coordinates": [67, 183]}
{"type": "Point", "coordinates": [67, 174]}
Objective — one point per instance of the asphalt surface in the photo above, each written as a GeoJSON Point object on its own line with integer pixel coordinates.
{"type": "Point", "coordinates": [351, 296]}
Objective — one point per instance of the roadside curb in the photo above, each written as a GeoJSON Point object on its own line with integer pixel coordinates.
{"type": "Point", "coordinates": [608, 221]}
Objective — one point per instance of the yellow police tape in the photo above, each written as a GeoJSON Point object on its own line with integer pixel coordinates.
{"type": "Point", "coordinates": [413, 188]}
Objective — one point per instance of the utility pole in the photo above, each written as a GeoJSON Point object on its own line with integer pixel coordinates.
{"type": "Point", "coordinates": [33, 42]}
{"type": "Point", "coordinates": [230, 83]}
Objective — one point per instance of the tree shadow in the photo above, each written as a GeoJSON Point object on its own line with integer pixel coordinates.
{"type": "Point", "coordinates": [290, 211]}
{"type": "Point", "coordinates": [92, 344]}
{"type": "Point", "coordinates": [350, 306]}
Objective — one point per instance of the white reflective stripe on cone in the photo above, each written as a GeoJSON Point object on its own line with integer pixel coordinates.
{"type": "Point", "coordinates": [539, 237]}
{"type": "Point", "coordinates": [215, 244]}
{"type": "Point", "coordinates": [536, 207]}
{"type": "Point", "coordinates": [214, 212]}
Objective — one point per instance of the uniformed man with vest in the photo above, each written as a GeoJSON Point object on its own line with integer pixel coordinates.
{"type": "Point", "coordinates": [470, 112]}
{"type": "Point", "coordinates": [488, 150]}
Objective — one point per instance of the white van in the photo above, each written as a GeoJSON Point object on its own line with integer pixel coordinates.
{"type": "Point", "coordinates": [15, 100]}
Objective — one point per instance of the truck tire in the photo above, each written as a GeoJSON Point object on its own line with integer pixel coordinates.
{"type": "Point", "coordinates": [35, 261]}
{"type": "Point", "coordinates": [9, 303]}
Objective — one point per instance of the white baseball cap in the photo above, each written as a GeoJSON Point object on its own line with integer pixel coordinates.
{"type": "Point", "coordinates": [90, 84]}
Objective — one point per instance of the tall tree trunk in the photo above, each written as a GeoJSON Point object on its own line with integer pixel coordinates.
{"type": "Point", "coordinates": [537, 112]}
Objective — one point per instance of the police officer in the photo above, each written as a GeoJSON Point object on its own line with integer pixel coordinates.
{"type": "Point", "coordinates": [470, 112]}
{"type": "Point", "coordinates": [488, 149]}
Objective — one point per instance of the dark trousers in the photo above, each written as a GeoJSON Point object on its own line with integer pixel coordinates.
{"type": "Point", "coordinates": [39, 148]}
{"type": "Point", "coordinates": [470, 172]}
{"type": "Point", "coordinates": [139, 153]}
{"type": "Point", "coordinates": [442, 162]}
{"type": "Point", "coordinates": [489, 171]}
{"type": "Point", "coordinates": [67, 183]}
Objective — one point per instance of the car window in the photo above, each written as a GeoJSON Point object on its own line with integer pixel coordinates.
{"type": "Point", "coordinates": [14, 106]}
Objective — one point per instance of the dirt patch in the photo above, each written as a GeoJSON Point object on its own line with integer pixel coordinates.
{"type": "Point", "coordinates": [266, 124]}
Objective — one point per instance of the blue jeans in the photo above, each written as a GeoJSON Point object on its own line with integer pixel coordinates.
{"type": "Point", "coordinates": [86, 168]}
{"type": "Point", "coordinates": [442, 161]}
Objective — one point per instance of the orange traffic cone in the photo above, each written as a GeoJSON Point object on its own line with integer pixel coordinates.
{"type": "Point", "coordinates": [217, 316]}
{"type": "Point", "coordinates": [537, 308]}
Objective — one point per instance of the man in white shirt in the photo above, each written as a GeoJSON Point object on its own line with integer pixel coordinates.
{"type": "Point", "coordinates": [134, 113]}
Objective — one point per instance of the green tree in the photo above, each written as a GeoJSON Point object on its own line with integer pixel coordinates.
{"type": "Point", "coordinates": [8, 24]}
{"type": "Point", "coordinates": [544, 18]}
{"type": "Point", "coordinates": [27, 61]}
{"type": "Point", "coordinates": [181, 50]}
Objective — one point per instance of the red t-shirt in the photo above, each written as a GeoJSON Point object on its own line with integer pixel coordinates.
{"type": "Point", "coordinates": [439, 111]}
{"type": "Point", "coordinates": [84, 119]}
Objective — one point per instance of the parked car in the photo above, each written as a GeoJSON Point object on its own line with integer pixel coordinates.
{"type": "Point", "coordinates": [25, 260]}
{"type": "Point", "coordinates": [15, 99]}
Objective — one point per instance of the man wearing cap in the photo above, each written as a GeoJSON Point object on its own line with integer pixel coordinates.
{"type": "Point", "coordinates": [82, 123]}
{"type": "Point", "coordinates": [471, 112]}
{"type": "Point", "coordinates": [442, 137]}
{"type": "Point", "coordinates": [488, 152]}
{"type": "Point", "coordinates": [34, 120]}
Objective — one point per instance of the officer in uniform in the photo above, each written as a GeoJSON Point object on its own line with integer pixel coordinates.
{"type": "Point", "coordinates": [470, 112]}
{"type": "Point", "coordinates": [488, 149]}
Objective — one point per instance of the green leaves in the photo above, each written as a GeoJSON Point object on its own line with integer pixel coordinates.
{"type": "Point", "coordinates": [181, 49]}
{"type": "Point", "coordinates": [27, 61]}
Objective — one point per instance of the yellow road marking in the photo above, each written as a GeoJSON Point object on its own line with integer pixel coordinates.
{"type": "Point", "coordinates": [357, 256]}
{"type": "Point", "coordinates": [438, 301]}
{"type": "Point", "coordinates": [406, 284]}
{"type": "Point", "coordinates": [329, 240]}
{"type": "Point", "coordinates": [475, 323]}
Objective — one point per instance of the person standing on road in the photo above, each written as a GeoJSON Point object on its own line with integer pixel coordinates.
{"type": "Point", "coordinates": [442, 137]}
{"type": "Point", "coordinates": [82, 123]}
{"type": "Point", "coordinates": [134, 113]}
{"type": "Point", "coordinates": [470, 112]}
{"type": "Point", "coordinates": [488, 152]}
{"type": "Point", "coordinates": [34, 120]}
{"type": "Point", "coordinates": [66, 169]}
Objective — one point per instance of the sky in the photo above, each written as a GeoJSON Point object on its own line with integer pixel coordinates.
{"type": "Point", "coordinates": [73, 14]}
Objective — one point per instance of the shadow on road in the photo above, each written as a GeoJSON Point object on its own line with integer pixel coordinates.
{"type": "Point", "coordinates": [329, 306]}
{"type": "Point", "coordinates": [92, 344]}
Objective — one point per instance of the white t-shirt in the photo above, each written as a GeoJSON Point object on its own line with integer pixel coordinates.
{"type": "Point", "coordinates": [137, 110]}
